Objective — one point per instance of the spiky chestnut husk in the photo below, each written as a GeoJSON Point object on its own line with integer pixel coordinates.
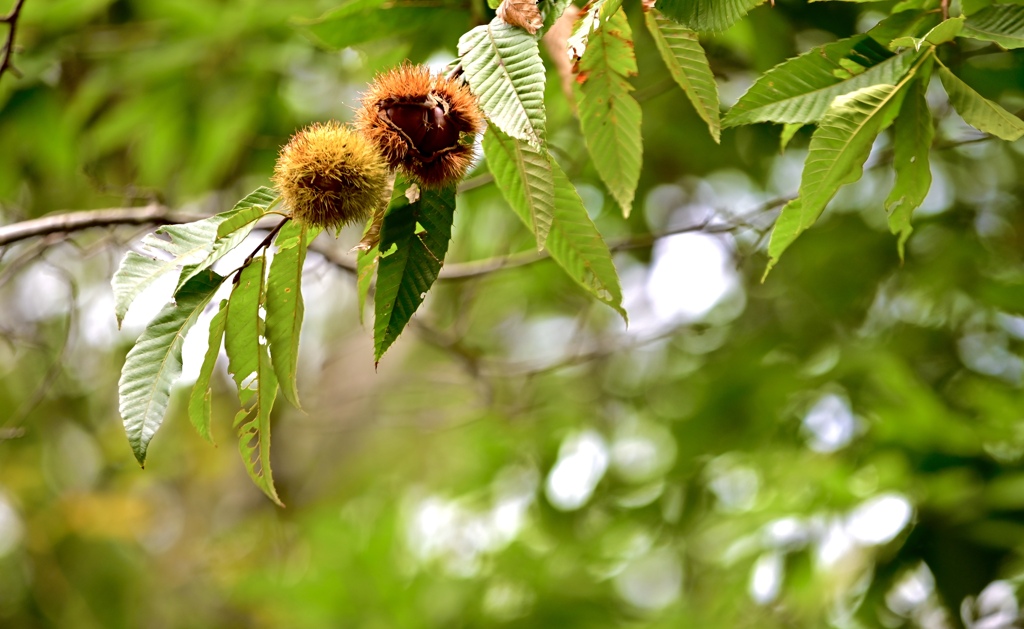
{"type": "Point", "coordinates": [422, 123]}
{"type": "Point", "coordinates": [330, 175]}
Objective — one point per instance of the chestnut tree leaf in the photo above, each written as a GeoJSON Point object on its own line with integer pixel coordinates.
{"type": "Point", "coordinates": [609, 114]}
{"type": "Point", "coordinates": [576, 245]}
{"type": "Point", "coordinates": [801, 90]}
{"type": "Point", "coordinates": [682, 53]}
{"type": "Point", "coordinates": [912, 142]}
{"type": "Point", "coordinates": [199, 401]}
{"type": "Point", "coordinates": [979, 112]}
{"type": "Point", "coordinates": [839, 148]}
{"type": "Point", "coordinates": [413, 243]}
{"type": "Point", "coordinates": [284, 305]}
{"type": "Point", "coordinates": [154, 363]}
{"type": "Point", "coordinates": [999, 23]}
{"type": "Point", "coordinates": [503, 67]}
{"type": "Point", "coordinates": [250, 367]}
{"type": "Point", "coordinates": [707, 15]}
{"type": "Point", "coordinates": [523, 174]}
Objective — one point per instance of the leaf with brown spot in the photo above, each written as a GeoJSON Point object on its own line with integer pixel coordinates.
{"type": "Point", "coordinates": [521, 13]}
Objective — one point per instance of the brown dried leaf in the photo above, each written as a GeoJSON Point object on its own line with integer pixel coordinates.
{"type": "Point", "coordinates": [647, 4]}
{"type": "Point", "coordinates": [521, 13]}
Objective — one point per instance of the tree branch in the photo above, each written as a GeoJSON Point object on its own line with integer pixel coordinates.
{"type": "Point", "coordinates": [68, 222]}
{"type": "Point", "coordinates": [11, 19]}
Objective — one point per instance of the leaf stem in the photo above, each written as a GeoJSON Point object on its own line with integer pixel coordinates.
{"type": "Point", "coordinates": [263, 245]}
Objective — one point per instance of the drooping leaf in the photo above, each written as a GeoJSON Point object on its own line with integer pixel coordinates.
{"type": "Point", "coordinates": [250, 367]}
{"type": "Point", "coordinates": [413, 244]}
{"type": "Point", "coordinates": [199, 402]}
{"type": "Point", "coordinates": [235, 228]}
{"type": "Point", "coordinates": [707, 15]}
{"type": "Point", "coordinates": [609, 115]}
{"type": "Point", "coordinates": [912, 143]}
{"type": "Point", "coordinates": [523, 174]}
{"type": "Point", "coordinates": [154, 363]}
{"type": "Point", "coordinates": [577, 246]}
{"type": "Point", "coordinates": [836, 157]}
{"type": "Point", "coordinates": [801, 90]}
{"type": "Point", "coordinates": [999, 23]}
{"type": "Point", "coordinates": [503, 67]}
{"type": "Point", "coordinates": [253, 428]}
{"type": "Point", "coordinates": [978, 111]}
{"type": "Point", "coordinates": [243, 325]}
{"type": "Point", "coordinates": [284, 305]}
{"type": "Point", "coordinates": [359, 21]}
{"type": "Point", "coordinates": [681, 51]}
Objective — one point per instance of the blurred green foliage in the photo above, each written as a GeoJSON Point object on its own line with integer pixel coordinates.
{"type": "Point", "coordinates": [841, 445]}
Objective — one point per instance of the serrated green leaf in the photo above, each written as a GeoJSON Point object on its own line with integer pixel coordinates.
{"type": "Point", "coordinates": [250, 208]}
{"type": "Point", "coordinates": [609, 115]}
{"type": "Point", "coordinates": [250, 367]}
{"type": "Point", "coordinates": [978, 111]}
{"type": "Point", "coordinates": [237, 224]}
{"type": "Point", "coordinates": [682, 53]}
{"type": "Point", "coordinates": [836, 157]}
{"type": "Point", "coordinates": [195, 246]}
{"type": "Point", "coordinates": [284, 306]}
{"type": "Point", "coordinates": [523, 174]}
{"type": "Point", "coordinates": [185, 244]}
{"type": "Point", "coordinates": [154, 363]}
{"type": "Point", "coordinates": [912, 143]}
{"type": "Point", "coordinates": [707, 15]}
{"type": "Point", "coordinates": [576, 245]}
{"type": "Point", "coordinates": [800, 90]}
{"type": "Point", "coordinates": [244, 326]}
{"type": "Point", "coordinates": [413, 241]}
{"type": "Point", "coordinates": [503, 67]}
{"type": "Point", "coordinates": [253, 428]}
{"type": "Point", "coordinates": [999, 23]}
{"type": "Point", "coordinates": [199, 402]}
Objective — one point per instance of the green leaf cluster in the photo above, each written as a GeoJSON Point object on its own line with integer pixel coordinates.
{"type": "Point", "coordinates": [259, 323]}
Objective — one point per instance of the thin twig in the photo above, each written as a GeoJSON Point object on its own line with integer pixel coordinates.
{"type": "Point", "coordinates": [263, 245]}
{"type": "Point", "coordinates": [11, 19]}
